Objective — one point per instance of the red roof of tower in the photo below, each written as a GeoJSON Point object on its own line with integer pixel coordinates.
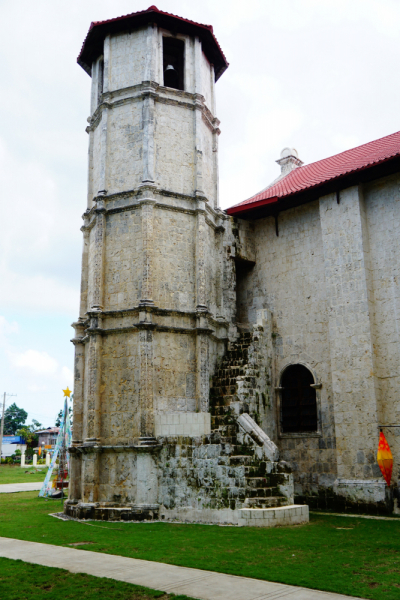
{"type": "Point", "coordinates": [93, 44]}
{"type": "Point", "coordinates": [314, 175]}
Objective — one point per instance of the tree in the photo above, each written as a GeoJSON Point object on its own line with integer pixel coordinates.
{"type": "Point", "coordinates": [60, 414]}
{"type": "Point", "coordinates": [30, 438]}
{"type": "Point", "coordinates": [28, 433]}
{"type": "Point", "coordinates": [35, 425]}
{"type": "Point", "coordinates": [14, 418]}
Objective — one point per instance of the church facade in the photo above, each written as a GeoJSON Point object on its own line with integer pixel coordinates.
{"type": "Point", "coordinates": [227, 363]}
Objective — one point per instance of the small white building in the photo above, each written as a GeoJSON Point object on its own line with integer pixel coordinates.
{"type": "Point", "coordinates": [12, 443]}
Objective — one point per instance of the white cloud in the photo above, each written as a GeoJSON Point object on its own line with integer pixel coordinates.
{"type": "Point", "coordinates": [345, 141]}
{"type": "Point", "coordinates": [6, 329]}
{"type": "Point", "coordinates": [35, 362]}
{"type": "Point", "coordinates": [34, 387]}
{"type": "Point", "coordinates": [34, 291]}
{"type": "Point", "coordinates": [68, 376]}
{"type": "Point", "coordinates": [34, 224]}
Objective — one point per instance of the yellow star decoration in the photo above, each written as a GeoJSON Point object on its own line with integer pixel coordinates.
{"type": "Point", "coordinates": [67, 392]}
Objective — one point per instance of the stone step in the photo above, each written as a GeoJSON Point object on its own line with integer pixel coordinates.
{"type": "Point", "coordinates": [224, 381]}
{"type": "Point", "coordinates": [258, 471]}
{"type": "Point", "coordinates": [217, 422]}
{"type": "Point", "coordinates": [228, 433]}
{"type": "Point", "coordinates": [262, 493]}
{"type": "Point", "coordinates": [257, 483]}
{"type": "Point", "coordinates": [221, 410]}
{"type": "Point", "coordinates": [292, 514]}
{"type": "Point", "coordinates": [270, 502]}
{"type": "Point", "coordinates": [224, 390]}
{"type": "Point", "coordinates": [232, 362]}
{"type": "Point", "coordinates": [239, 460]}
{"type": "Point", "coordinates": [148, 441]}
{"type": "Point", "coordinates": [222, 400]}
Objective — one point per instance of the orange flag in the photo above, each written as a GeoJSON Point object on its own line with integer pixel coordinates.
{"type": "Point", "coordinates": [385, 458]}
{"type": "Point", "coordinates": [40, 451]}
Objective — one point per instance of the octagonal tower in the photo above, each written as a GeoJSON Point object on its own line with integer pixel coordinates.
{"type": "Point", "coordinates": [156, 301]}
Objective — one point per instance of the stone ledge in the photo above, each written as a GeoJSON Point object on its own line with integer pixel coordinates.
{"type": "Point", "coordinates": [106, 511]}
{"type": "Point", "coordinates": [294, 514]}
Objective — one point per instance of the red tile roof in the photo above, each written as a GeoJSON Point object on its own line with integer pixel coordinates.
{"type": "Point", "coordinates": [92, 47]}
{"type": "Point", "coordinates": [315, 174]}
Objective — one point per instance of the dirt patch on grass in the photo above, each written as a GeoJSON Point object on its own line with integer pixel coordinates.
{"type": "Point", "coordinates": [80, 543]}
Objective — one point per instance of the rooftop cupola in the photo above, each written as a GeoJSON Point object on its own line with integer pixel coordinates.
{"type": "Point", "coordinates": [289, 160]}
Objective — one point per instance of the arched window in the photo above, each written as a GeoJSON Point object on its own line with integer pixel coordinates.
{"type": "Point", "coordinates": [299, 402]}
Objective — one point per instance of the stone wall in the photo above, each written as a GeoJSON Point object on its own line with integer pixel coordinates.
{"type": "Point", "coordinates": [174, 148]}
{"type": "Point", "coordinates": [127, 59]}
{"type": "Point", "coordinates": [330, 281]}
{"type": "Point", "coordinates": [174, 250]}
{"type": "Point", "coordinates": [124, 149]}
{"type": "Point", "coordinates": [123, 260]}
{"type": "Point", "coordinates": [288, 279]}
{"type": "Point", "coordinates": [350, 304]}
{"type": "Point", "coordinates": [382, 202]}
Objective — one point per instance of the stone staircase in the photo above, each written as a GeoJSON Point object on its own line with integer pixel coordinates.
{"type": "Point", "coordinates": [267, 482]}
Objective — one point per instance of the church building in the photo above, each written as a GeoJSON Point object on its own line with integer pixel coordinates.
{"type": "Point", "coordinates": [230, 366]}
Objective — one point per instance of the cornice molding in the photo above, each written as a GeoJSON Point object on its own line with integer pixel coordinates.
{"type": "Point", "coordinates": [160, 94]}
{"type": "Point", "coordinates": [211, 327]}
{"type": "Point", "coordinates": [217, 215]}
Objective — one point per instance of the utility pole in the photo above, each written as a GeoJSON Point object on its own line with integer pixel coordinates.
{"type": "Point", "coordinates": [2, 422]}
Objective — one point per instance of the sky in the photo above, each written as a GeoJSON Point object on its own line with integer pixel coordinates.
{"type": "Point", "coordinates": [321, 76]}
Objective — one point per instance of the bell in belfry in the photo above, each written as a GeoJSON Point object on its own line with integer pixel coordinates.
{"type": "Point", "coordinates": [171, 77]}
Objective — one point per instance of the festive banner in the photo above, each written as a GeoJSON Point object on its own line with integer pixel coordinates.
{"type": "Point", "coordinates": [385, 458]}
{"type": "Point", "coordinates": [60, 451]}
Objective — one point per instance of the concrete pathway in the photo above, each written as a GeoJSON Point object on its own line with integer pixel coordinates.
{"type": "Point", "coordinates": [9, 488]}
{"type": "Point", "coordinates": [205, 585]}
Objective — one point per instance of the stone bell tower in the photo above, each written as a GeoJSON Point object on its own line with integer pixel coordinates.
{"type": "Point", "coordinates": [156, 305]}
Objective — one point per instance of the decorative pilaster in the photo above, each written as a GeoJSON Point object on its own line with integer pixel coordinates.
{"type": "Point", "coordinates": [202, 367]}
{"type": "Point", "coordinates": [150, 68]}
{"type": "Point", "coordinates": [148, 132]}
{"type": "Point", "coordinates": [216, 133]}
{"type": "Point", "coordinates": [95, 340]}
{"type": "Point", "coordinates": [147, 212]}
{"type": "Point", "coordinates": [99, 233]}
{"type": "Point", "coordinates": [93, 407]}
{"type": "Point", "coordinates": [102, 184]}
{"type": "Point", "coordinates": [83, 305]}
{"type": "Point", "coordinates": [79, 378]}
{"type": "Point", "coordinates": [350, 311]}
{"type": "Point", "coordinates": [75, 490]}
{"type": "Point", "coordinates": [146, 393]}
{"type": "Point", "coordinates": [198, 119]}
{"type": "Point", "coordinates": [201, 245]}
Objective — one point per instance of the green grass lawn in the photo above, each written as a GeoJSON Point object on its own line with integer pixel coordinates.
{"type": "Point", "coordinates": [354, 556]}
{"type": "Point", "coordinates": [17, 474]}
{"type": "Point", "coordinates": [24, 581]}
